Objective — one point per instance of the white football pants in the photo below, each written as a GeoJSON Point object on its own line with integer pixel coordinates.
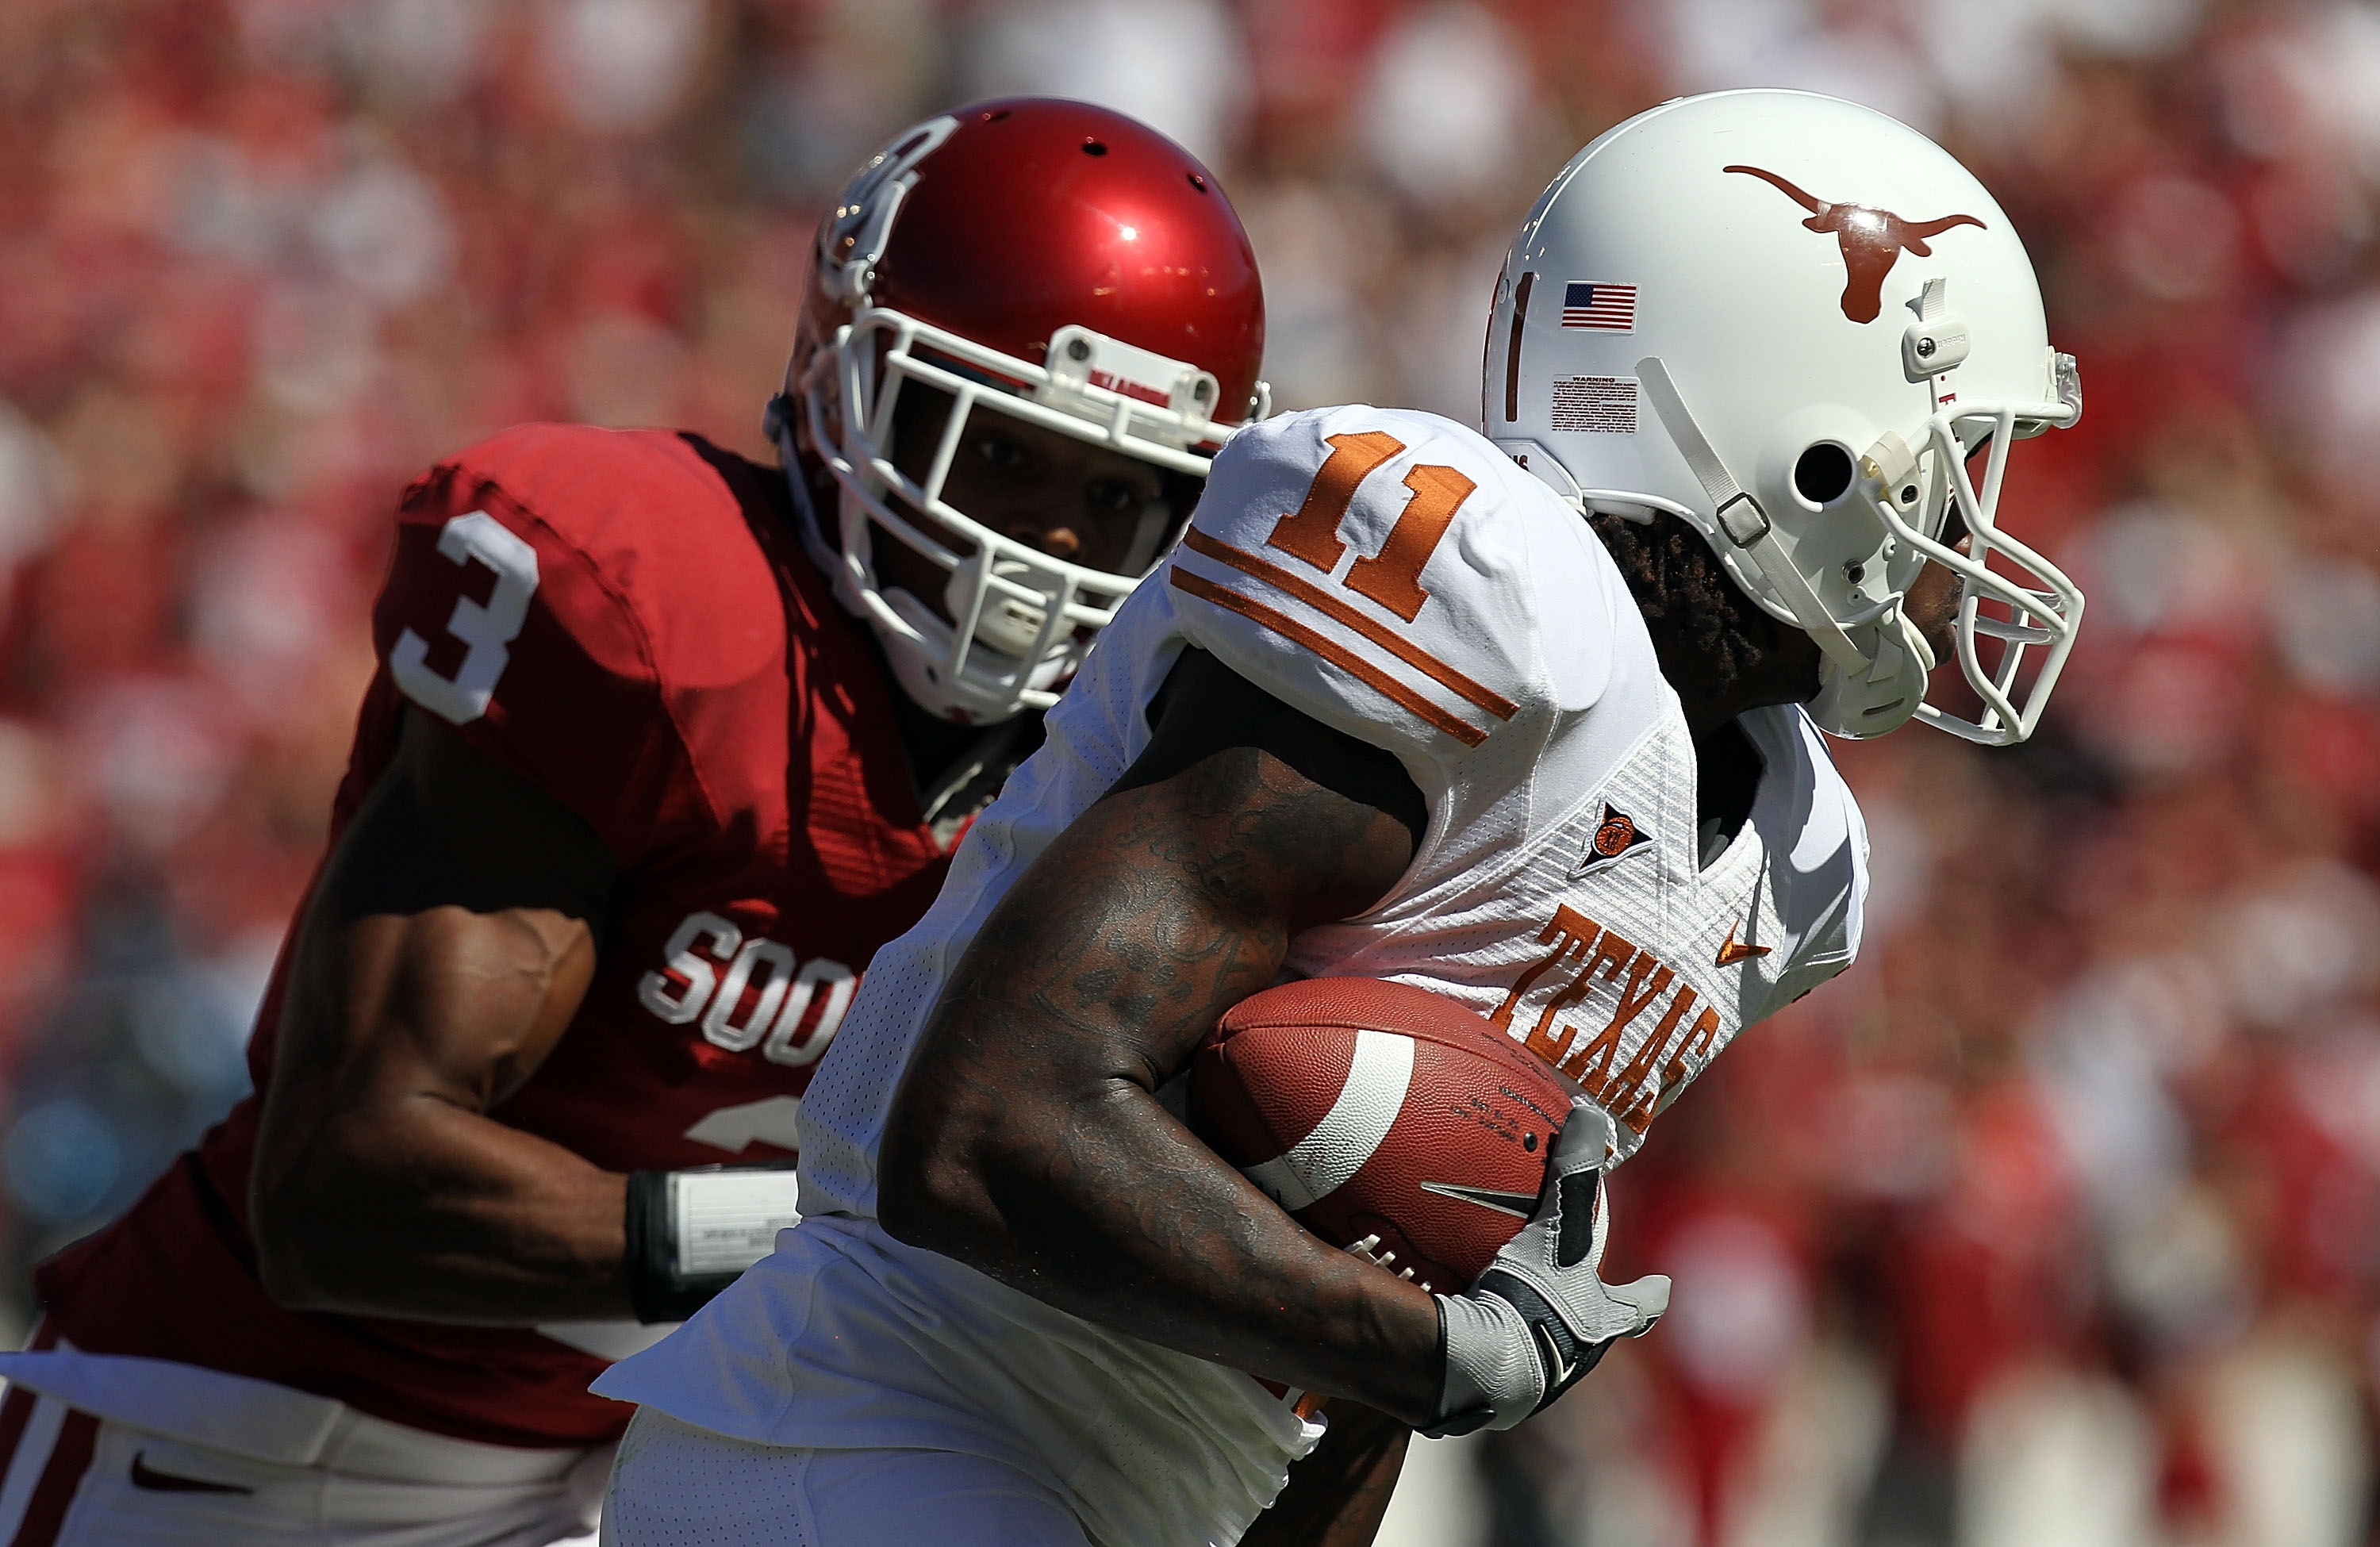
{"type": "Point", "coordinates": [73, 1479]}
{"type": "Point", "coordinates": [674, 1485]}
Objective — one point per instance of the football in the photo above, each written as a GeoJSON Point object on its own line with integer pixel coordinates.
{"type": "Point", "coordinates": [1375, 1109]}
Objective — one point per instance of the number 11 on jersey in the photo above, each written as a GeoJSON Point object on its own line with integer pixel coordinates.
{"type": "Point", "coordinates": [1393, 577]}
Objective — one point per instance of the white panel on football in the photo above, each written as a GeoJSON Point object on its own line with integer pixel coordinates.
{"type": "Point", "coordinates": [1350, 1131]}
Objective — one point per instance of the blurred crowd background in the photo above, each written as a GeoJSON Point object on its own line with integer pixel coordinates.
{"type": "Point", "coordinates": [2057, 1221]}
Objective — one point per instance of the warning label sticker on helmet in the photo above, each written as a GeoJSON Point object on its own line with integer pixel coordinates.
{"type": "Point", "coordinates": [1597, 405]}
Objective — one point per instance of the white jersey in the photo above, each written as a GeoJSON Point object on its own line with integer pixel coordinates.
{"type": "Point", "coordinates": [1390, 574]}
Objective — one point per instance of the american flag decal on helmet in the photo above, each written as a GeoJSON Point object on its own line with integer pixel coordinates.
{"type": "Point", "coordinates": [1604, 307]}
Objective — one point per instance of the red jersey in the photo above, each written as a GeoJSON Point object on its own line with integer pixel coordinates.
{"type": "Point", "coordinates": [629, 620]}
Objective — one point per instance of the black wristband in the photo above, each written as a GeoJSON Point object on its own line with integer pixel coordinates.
{"type": "Point", "coordinates": [651, 1249]}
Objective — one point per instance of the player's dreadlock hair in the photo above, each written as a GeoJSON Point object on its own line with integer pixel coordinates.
{"type": "Point", "coordinates": [1682, 592]}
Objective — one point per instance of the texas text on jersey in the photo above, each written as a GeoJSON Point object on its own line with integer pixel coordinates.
{"type": "Point", "coordinates": [1518, 687]}
{"type": "Point", "coordinates": [627, 619]}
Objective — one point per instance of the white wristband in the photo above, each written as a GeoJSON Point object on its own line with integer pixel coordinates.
{"type": "Point", "coordinates": [723, 1222]}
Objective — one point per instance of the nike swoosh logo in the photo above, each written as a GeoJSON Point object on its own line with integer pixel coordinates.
{"type": "Point", "coordinates": [1520, 1205]}
{"type": "Point", "coordinates": [166, 1483]}
{"type": "Point", "coordinates": [1558, 1368]}
{"type": "Point", "coordinates": [1730, 953]}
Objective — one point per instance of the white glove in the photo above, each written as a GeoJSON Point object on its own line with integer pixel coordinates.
{"type": "Point", "coordinates": [1539, 1318]}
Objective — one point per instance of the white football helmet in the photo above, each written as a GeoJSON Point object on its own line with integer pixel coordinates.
{"type": "Point", "coordinates": [1053, 262]}
{"type": "Point", "coordinates": [1792, 321]}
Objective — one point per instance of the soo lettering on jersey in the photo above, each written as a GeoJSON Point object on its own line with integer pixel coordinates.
{"type": "Point", "coordinates": [748, 991]}
{"type": "Point", "coordinates": [1628, 1078]}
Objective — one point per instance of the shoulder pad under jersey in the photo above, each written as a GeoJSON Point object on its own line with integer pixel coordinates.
{"type": "Point", "coordinates": [554, 592]}
{"type": "Point", "coordinates": [1394, 575]}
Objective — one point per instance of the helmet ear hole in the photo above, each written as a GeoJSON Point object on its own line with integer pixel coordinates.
{"type": "Point", "coordinates": [1823, 473]}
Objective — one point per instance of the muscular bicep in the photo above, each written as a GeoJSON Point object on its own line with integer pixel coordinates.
{"type": "Point", "coordinates": [448, 943]}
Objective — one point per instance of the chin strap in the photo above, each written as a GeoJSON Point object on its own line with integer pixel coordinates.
{"type": "Point", "coordinates": [1746, 525]}
{"type": "Point", "coordinates": [777, 422]}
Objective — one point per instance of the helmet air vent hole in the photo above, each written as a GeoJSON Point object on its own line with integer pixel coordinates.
{"type": "Point", "coordinates": [995, 116]}
{"type": "Point", "coordinates": [1095, 148]}
{"type": "Point", "coordinates": [1823, 473]}
{"type": "Point", "coordinates": [1197, 182]}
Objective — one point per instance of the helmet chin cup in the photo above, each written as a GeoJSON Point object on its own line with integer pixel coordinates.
{"type": "Point", "coordinates": [1008, 621]}
{"type": "Point", "coordinates": [1863, 705]}
{"type": "Point", "coordinates": [982, 689]}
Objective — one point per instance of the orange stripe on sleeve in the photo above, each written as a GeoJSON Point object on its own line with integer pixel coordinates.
{"type": "Point", "coordinates": [1323, 601]}
{"type": "Point", "coordinates": [1331, 650]}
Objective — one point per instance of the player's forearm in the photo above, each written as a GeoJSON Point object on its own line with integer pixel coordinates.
{"type": "Point", "coordinates": [380, 1185]}
{"type": "Point", "coordinates": [1026, 1138]}
{"type": "Point", "coordinates": [1104, 1206]}
{"type": "Point", "coordinates": [1026, 1141]}
{"type": "Point", "coordinates": [432, 1213]}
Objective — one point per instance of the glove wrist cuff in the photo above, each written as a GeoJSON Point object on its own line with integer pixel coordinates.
{"type": "Point", "coordinates": [1491, 1377]}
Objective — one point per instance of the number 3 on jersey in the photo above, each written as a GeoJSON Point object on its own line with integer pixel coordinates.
{"type": "Point", "coordinates": [484, 628]}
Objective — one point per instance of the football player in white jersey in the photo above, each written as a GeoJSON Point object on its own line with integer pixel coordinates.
{"type": "Point", "coordinates": [1533, 720]}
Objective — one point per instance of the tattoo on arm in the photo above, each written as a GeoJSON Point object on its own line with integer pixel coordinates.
{"type": "Point", "coordinates": [1025, 1138]}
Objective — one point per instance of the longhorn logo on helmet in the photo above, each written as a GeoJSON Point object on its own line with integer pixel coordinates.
{"type": "Point", "coordinates": [1872, 241]}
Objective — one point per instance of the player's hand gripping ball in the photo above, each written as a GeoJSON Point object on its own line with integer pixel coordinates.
{"type": "Point", "coordinates": [1383, 1112]}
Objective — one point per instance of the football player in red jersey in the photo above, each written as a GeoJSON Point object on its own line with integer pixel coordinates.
{"type": "Point", "coordinates": [662, 746]}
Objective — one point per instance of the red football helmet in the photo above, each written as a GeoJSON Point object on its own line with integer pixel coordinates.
{"type": "Point", "coordinates": [1048, 260]}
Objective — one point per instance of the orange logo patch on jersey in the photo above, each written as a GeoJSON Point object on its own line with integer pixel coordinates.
{"type": "Point", "coordinates": [1730, 953]}
{"type": "Point", "coordinates": [1614, 836]}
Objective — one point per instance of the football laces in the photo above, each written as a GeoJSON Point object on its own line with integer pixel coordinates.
{"type": "Point", "coordinates": [1368, 1248]}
